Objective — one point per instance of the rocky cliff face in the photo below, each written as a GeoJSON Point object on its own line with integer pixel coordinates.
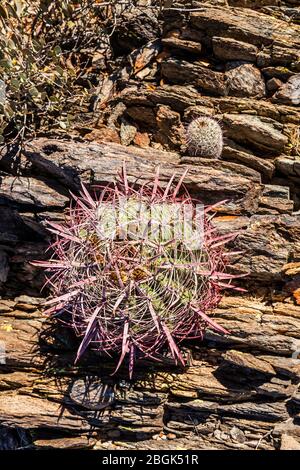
{"type": "Point", "coordinates": [239, 62]}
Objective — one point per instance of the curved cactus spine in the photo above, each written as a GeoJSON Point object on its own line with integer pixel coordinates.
{"type": "Point", "coordinates": [134, 295]}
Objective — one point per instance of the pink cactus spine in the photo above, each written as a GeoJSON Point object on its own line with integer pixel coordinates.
{"type": "Point", "coordinates": [130, 296]}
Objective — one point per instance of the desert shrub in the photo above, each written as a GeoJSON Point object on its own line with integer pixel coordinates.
{"type": "Point", "coordinates": [52, 55]}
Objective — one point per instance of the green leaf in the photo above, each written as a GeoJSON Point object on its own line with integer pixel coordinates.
{"type": "Point", "coordinates": [5, 64]}
{"type": "Point", "coordinates": [34, 91]}
{"type": "Point", "coordinates": [57, 51]}
{"type": "Point", "coordinates": [10, 44]}
{"type": "Point", "coordinates": [59, 70]}
{"type": "Point", "coordinates": [8, 111]}
{"type": "Point", "coordinates": [36, 45]}
{"type": "Point", "coordinates": [22, 77]}
{"type": "Point", "coordinates": [14, 83]}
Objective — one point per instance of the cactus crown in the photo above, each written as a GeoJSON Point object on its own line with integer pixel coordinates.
{"type": "Point", "coordinates": [130, 293]}
{"type": "Point", "coordinates": [205, 138]}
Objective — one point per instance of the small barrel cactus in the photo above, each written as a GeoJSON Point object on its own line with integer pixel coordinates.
{"type": "Point", "coordinates": [127, 290]}
{"type": "Point", "coordinates": [205, 138]}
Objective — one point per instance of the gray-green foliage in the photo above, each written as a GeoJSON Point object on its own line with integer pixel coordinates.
{"type": "Point", "coordinates": [46, 50]}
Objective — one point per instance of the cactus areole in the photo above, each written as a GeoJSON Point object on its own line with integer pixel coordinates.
{"type": "Point", "coordinates": [135, 270]}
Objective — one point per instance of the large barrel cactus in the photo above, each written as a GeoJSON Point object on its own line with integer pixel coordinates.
{"type": "Point", "coordinates": [137, 270]}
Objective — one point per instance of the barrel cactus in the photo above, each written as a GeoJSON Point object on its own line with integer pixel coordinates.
{"type": "Point", "coordinates": [205, 137]}
{"type": "Point", "coordinates": [129, 292]}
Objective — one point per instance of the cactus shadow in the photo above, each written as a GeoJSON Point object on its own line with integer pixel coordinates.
{"type": "Point", "coordinates": [91, 392]}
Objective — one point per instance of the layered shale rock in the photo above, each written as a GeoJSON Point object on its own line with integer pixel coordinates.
{"type": "Point", "coordinates": [238, 390]}
{"type": "Point", "coordinates": [235, 60]}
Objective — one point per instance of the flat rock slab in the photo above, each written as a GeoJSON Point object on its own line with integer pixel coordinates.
{"type": "Point", "coordinates": [244, 80]}
{"type": "Point", "coordinates": [259, 133]}
{"type": "Point", "coordinates": [231, 49]}
{"type": "Point", "coordinates": [289, 92]}
{"type": "Point", "coordinates": [71, 162]}
{"type": "Point", "coordinates": [22, 192]}
{"type": "Point", "coordinates": [31, 413]}
{"type": "Point", "coordinates": [181, 71]}
{"type": "Point", "coordinates": [246, 25]}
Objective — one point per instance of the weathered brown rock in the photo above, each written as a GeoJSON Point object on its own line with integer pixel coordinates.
{"type": "Point", "coordinates": [180, 71]}
{"type": "Point", "coordinates": [234, 152]}
{"type": "Point", "coordinates": [15, 227]}
{"type": "Point", "coordinates": [253, 3]}
{"type": "Point", "coordinates": [273, 84]}
{"type": "Point", "coordinates": [32, 413]}
{"type": "Point", "coordinates": [102, 134]}
{"type": "Point", "coordinates": [68, 162]}
{"type": "Point", "coordinates": [136, 27]}
{"type": "Point", "coordinates": [142, 139]}
{"type": "Point", "coordinates": [231, 49]}
{"type": "Point", "coordinates": [244, 80]}
{"type": "Point", "coordinates": [127, 133]}
{"type": "Point", "coordinates": [288, 165]}
{"type": "Point", "coordinates": [245, 25]}
{"type": "Point", "coordinates": [170, 132]}
{"type": "Point", "coordinates": [178, 97]}
{"type": "Point", "coordinates": [289, 443]}
{"type": "Point", "coordinates": [183, 45]}
{"type": "Point", "coordinates": [289, 93]}
{"type": "Point", "coordinates": [143, 115]}
{"type": "Point", "coordinates": [38, 193]}
{"type": "Point", "coordinates": [276, 199]}
{"type": "Point", "coordinates": [262, 134]}
{"type": "Point", "coordinates": [4, 267]}
{"type": "Point", "coordinates": [278, 72]}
